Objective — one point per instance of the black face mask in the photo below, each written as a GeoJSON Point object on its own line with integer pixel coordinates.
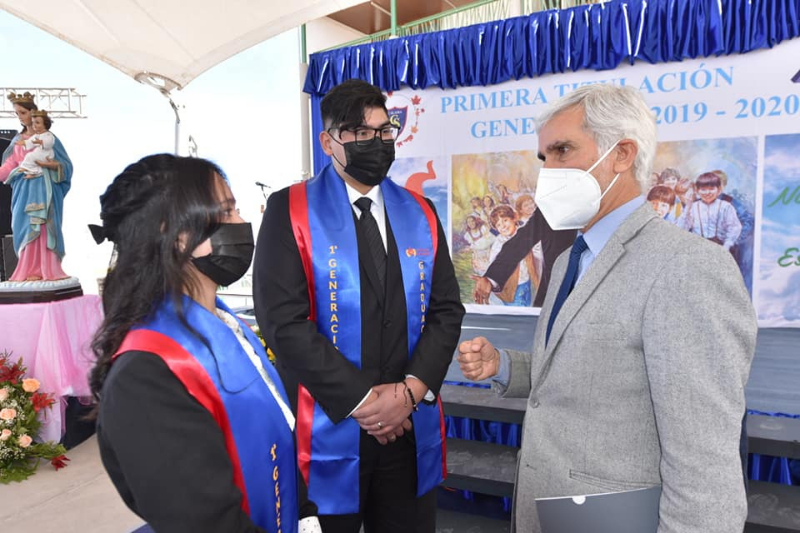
{"type": "Point", "coordinates": [369, 163]}
{"type": "Point", "coordinates": [231, 254]}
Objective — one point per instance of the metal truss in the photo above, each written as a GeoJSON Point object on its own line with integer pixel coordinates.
{"type": "Point", "coordinates": [58, 102]}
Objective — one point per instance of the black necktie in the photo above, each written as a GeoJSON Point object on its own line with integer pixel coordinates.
{"type": "Point", "coordinates": [578, 247]}
{"type": "Point", "coordinates": [373, 235]}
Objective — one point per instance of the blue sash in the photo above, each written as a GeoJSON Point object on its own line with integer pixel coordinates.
{"type": "Point", "coordinates": [225, 381]}
{"type": "Point", "coordinates": [322, 220]}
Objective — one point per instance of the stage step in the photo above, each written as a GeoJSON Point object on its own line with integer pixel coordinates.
{"type": "Point", "coordinates": [481, 467]}
{"type": "Point", "coordinates": [774, 435]}
{"type": "Point", "coordinates": [481, 404]}
{"type": "Point", "coordinates": [768, 435]}
{"type": "Point", "coordinates": [489, 468]}
{"type": "Point", "coordinates": [773, 508]}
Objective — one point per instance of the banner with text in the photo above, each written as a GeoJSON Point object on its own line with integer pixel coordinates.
{"type": "Point", "coordinates": [727, 167]}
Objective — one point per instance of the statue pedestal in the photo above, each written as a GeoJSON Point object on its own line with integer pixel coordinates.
{"type": "Point", "coordinates": [26, 292]}
{"type": "Point", "coordinates": [53, 339]}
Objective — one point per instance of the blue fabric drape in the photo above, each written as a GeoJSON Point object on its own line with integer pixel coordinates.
{"type": "Point", "coordinates": [595, 36]}
{"type": "Point", "coordinates": [321, 159]}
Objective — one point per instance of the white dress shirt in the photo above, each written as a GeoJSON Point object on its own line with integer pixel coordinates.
{"type": "Point", "coordinates": [376, 209]}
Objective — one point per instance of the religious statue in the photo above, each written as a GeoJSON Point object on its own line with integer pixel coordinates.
{"type": "Point", "coordinates": [39, 171]}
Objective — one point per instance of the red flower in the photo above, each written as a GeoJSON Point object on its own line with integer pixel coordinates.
{"type": "Point", "coordinates": [12, 373]}
{"type": "Point", "coordinates": [59, 462]}
{"type": "Point", "coordinates": [42, 400]}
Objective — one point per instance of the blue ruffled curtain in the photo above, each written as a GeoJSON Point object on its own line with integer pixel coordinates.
{"type": "Point", "coordinates": [596, 36]}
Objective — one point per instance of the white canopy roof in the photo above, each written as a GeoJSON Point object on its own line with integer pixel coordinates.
{"type": "Point", "coordinates": [174, 39]}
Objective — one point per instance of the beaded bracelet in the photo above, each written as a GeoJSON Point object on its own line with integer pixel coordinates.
{"type": "Point", "coordinates": [405, 399]}
{"type": "Point", "coordinates": [414, 405]}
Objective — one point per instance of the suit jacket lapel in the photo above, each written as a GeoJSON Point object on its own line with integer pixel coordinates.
{"type": "Point", "coordinates": [602, 265]}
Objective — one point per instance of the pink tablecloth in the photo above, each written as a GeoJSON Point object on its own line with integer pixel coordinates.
{"type": "Point", "coordinates": [53, 340]}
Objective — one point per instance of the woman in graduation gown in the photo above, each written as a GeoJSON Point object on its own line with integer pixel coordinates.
{"type": "Point", "coordinates": [193, 426]}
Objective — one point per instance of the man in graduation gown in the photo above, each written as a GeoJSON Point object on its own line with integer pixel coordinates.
{"type": "Point", "coordinates": [355, 293]}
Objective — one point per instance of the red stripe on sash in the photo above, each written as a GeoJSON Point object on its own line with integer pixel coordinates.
{"type": "Point", "coordinates": [443, 429]}
{"type": "Point", "coordinates": [305, 421]}
{"type": "Point", "coordinates": [197, 381]}
{"type": "Point", "coordinates": [298, 215]}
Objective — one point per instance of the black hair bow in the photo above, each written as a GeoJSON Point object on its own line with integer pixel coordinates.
{"type": "Point", "coordinates": [99, 233]}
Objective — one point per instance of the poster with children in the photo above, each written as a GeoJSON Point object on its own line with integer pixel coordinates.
{"type": "Point", "coordinates": [492, 197]}
{"type": "Point", "coordinates": [708, 187]}
{"type": "Point", "coordinates": [725, 170]}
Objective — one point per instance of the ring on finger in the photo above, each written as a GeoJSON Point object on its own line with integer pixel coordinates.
{"type": "Point", "coordinates": [380, 425]}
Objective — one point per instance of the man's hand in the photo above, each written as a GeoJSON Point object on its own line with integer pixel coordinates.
{"type": "Point", "coordinates": [384, 417]}
{"type": "Point", "coordinates": [483, 288]}
{"type": "Point", "coordinates": [397, 432]}
{"type": "Point", "coordinates": [478, 359]}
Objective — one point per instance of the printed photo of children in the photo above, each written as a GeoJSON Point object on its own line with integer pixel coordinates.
{"type": "Point", "coordinates": [708, 187]}
{"type": "Point", "coordinates": [500, 241]}
{"type": "Point", "coordinates": [481, 184]}
{"type": "Point", "coordinates": [524, 281]}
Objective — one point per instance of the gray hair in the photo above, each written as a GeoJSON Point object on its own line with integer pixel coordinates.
{"type": "Point", "coordinates": [612, 113]}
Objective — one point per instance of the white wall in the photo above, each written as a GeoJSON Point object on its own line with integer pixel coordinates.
{"type": "Point", "coordinates": [326, 33]}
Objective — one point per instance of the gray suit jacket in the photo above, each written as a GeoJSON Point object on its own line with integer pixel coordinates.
{"type": "Point", "coordinates": [642, 381]}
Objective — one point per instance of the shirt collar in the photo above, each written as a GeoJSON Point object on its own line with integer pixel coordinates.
{"type": "Point", "coordinates": [375, 194]}
{"type": "Point", "coordinates": [599, 234]}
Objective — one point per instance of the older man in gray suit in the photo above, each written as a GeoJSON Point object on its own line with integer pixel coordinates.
{"type": "Point", "coordinates": [641, 357]}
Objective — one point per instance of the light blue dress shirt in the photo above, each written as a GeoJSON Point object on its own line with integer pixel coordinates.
{"type": "Point", "coordinates": [596, 239]}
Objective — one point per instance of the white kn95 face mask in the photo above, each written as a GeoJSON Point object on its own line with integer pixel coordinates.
{"type": "Point", "coordinates": [570, 197]}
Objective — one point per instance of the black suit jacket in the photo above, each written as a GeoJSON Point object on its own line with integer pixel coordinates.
{"type": "Point", "coordinates": [305, 356]}
{"type": "Point", "coordinates": [517, 247]}
{"type": "Point", "coordinates": [166, 454]}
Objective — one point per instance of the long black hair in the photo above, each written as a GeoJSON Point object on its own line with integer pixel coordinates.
{"type": "Point", "coordinates": [155, 203]}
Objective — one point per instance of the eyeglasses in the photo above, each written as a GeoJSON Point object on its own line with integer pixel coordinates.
{"type": "Point", "coordinates": [365, 135]}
